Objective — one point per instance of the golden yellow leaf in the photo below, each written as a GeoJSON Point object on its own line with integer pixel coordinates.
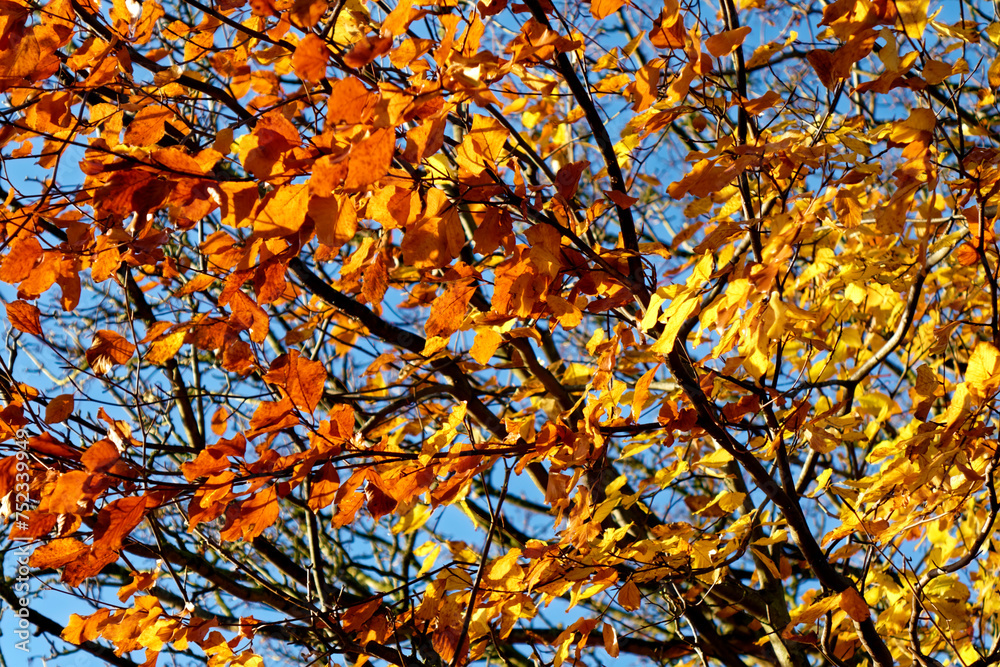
{"type": "Point", "coordinates": [981, 374]}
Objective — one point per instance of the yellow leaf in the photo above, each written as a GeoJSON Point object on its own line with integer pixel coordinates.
{"type": "Point", "coordinates": [981, 374]}
{"type": "Point", "coordinates": [485, 346]}
{"type": "Point", "coordinates": [913, 16]}
{"type": "Point", "coordinates": [717, 459]}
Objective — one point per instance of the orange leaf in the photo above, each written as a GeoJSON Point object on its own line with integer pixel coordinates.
{"type": "Point", "coordinates": [336, 219]}
{"type": "Point", "coordinates": [370, 159]}
{"type": "Point", "coordinates": [628, 596]}
{"type": "Point", "coordinates": [759, 105]}
{"type": "Point", "coordinates": [148, 126]}
{"type": "Point", "coordinates": [18, 263]}
{"type": "Point", "coordinates": [87, 566]}
{"type": "Point", "coordinates": [71, 493]}
{"type": "Point", "coordinates": [668, 29]}
{"type": "Point", "coordinates": [398, 20]}
{"type": "Point", "coordinates": [726, 42]}
{"type": "Point", "coordinates": [982, 375]}
{"type": "Point", "coordinates": [610, 640]}
{"type": "Point", "coordinates": [219, 421]}
{"type": "Point", "coordinates": [84, 628]}
{"type": "Point", "coordinates": [367, 50]}
{"type": "Point", "coordinates": [58, 409]}
{"type": "Point", "coordinates": [116, 520]}
{"type": "Point", "coordinates": [24, 317]}
{"type": "Point", "coordinates": [100, 456]}
{"type": "Point", "coordinates": [355, 617]}
{"type": "Point", "coordinates": [165, 347]}
{"type": "Point", "coordinates": [602, 8]}
{"type": "Point", "coordinates": [214, 459]}
{"type": "Point", "coordinates": [283, 211]}
{"type": "Point", "coordinates": [855, 606]}
{"type": "Point", "coordinates": [309, 59]}
{"type": "Point", "coordinates": [107, 350]}
{"type": "Point", "coordinates": [258, 513]}
{"type": "Point", "coordinates": [324, 488]}
{"type": "Point", "coordinates": [621, 199]}
{"type": "Point", "coordinates": [376, 280]}
{"type": "Point", "coordinates": [354, 102]}
{"type": "Point", "coordinates": [486, 344]}
{"type": "Point", "coordinates": [449, 309]}
{"type": "Point", "coordinates": [435, 239]}
{"type": "Point", "coordinates": [306, 13]}
{"type": "Point", "coordinates": [57, 553]}
{"type": "Point", "coordinates": [107, 258]}
{"type": "Point", "coordinates": [272, 416]}
{"type": "Point", "coordinates": [301, 378]}
{"type": "Point", "coordinates": [247, 315]}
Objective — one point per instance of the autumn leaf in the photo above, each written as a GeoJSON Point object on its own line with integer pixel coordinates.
{"type": "Point", "coordinates": [448, 310]}
{"type": "Point", "coordinates": [25, 317]}
{"type": "Point", "coordinates": [301, 379]}
{"type": "Point", "coordinates": [983, 372]}
{"type": "Point", "coordinates": [370, 160]}
{"type": "Point", "coordinates": [726, 42]}
{"type": "Point", "coordinates": [258, 513]}
{"type": "Point", "coordinates": [610, 640]}
{"type": "Point", "coordinates": [336, 219]}
{"type": "Point", "coordinates": [57, 553]}
{"type": "Point", "coordinates": [854, 605]}
{"type": "Point", "coordinates": [59, 409]}
{"type": "Point", "coordinates": [148, 126]}
{"type": "Point", "coordinates": [108, 349]}
{"type": "Point", "coordinates": [283, 211]}
{"type": "Point", "coordinates": [600, 9]}
{"type": "Point", "coordinates": [309, 59]}
{"type": "Point", "coordinates": [628, 596]}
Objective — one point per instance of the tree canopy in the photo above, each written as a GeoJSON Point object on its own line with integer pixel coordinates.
{"type": "Point", "coordinates": [431, 332]}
